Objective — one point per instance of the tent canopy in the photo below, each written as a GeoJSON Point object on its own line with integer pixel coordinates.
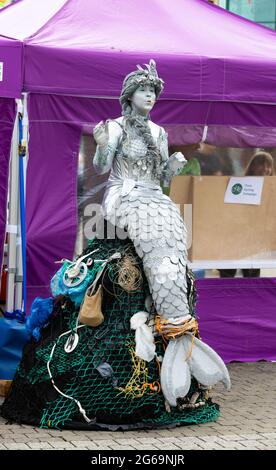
{"type": "Point", "coordinates": [85, 47]}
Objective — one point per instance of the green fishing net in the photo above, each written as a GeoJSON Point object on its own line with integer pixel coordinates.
{"type": "Point", "coordinates": [101, 383]}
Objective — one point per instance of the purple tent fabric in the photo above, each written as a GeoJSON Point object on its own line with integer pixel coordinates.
{"type": "Point", "coordinates": [51, 213]}
{"type": "Point", "coordinates": [237, 317]}
{"type": "Point", "coordinates": [203, 53]}
{"type": "Point", "coordinates": [11, 81]}
{"type": "Point", "coordinates": [219, 68]}
{"type": "Point", "coordinates": [7, 115]}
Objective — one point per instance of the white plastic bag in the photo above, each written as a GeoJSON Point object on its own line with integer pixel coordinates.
{"type": "Point", "coordinates": [145, 346]}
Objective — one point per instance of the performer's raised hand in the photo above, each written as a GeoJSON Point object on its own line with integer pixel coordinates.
{"type": "Point", "coordinates": [101, 134]}
{"type": "Point", "coordinates": [176, 161]}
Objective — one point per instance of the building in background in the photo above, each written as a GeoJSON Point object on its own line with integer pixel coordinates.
{"type": "Point", "coordinates": [260, 11]}
{"type": "Point", "coordinates": [4, 3]}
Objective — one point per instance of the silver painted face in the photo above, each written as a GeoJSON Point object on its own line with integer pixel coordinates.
{"type": "Point", "coordinates": [143, 99]}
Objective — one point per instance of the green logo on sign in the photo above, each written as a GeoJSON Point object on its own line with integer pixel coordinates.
{"type": "Point", "coordinates": [237, 188]}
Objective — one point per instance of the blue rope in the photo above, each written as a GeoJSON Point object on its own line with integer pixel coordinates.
{"type": "Point", "coordinates": [22, 215]}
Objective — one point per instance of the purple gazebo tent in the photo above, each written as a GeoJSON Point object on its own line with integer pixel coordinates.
{"type": "Point", "coordinates": [220, 79]}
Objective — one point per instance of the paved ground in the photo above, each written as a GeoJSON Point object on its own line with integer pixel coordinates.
{"type": "Point", "coordinates": [248, 421]}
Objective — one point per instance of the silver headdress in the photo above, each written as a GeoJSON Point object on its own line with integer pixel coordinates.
{"type": "Point", "coordinates": [140, 77]}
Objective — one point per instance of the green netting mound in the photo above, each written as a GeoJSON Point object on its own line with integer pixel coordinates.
{"type": "Point", "coordinates": [101, 376]}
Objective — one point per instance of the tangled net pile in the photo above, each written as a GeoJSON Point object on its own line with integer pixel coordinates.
{"type": "Point", "coordinates": [114, 387]}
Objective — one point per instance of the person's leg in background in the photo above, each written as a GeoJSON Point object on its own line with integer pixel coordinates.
{"type": "Point", "coordinates": [227, 272]}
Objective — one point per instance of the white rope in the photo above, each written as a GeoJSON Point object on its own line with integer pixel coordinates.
{"type": "Point", "coordinates": [81, 409]}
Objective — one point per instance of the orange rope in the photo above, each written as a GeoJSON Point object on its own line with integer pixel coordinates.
{"type": "Point", "coordinates": [190, 326]}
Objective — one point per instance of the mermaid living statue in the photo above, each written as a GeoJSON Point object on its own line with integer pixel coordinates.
{"type": "Point", "coordinates": [117, 345]}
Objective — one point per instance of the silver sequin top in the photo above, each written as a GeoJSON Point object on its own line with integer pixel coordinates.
{"type": "Point", "coordinates": [127, 154]}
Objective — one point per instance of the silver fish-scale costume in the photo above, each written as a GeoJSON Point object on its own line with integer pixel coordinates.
{"type": "Point", "coordinates": [134, 200]}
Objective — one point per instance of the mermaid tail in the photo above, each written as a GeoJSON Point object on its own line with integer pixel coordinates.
{"type": "Point", "coordinates": [205, 364]}
{"type": "Point", "coordinates": [188, 357]}
{"type": "Point", "coordinates": [159, 235]}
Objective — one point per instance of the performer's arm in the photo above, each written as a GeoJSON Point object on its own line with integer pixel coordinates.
{"type": "Point", "coordinates": [173, 164]}
{"type": "Point", "coordinates": [107, 137]}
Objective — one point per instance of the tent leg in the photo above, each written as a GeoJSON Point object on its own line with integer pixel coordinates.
{"type": "Point", "coordinates": [20, 281]}
{"type": "Point", "coordinates": [12, 227]}
{"type": "Point", "coordinates": [19, 271]}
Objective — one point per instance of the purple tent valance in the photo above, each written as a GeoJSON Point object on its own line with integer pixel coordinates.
{"type": "Point", "coordinates": [11, 81]}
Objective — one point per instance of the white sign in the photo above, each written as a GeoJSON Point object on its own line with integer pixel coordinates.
{"type": "Point", "coordinates": [244, 190]}
{"type": "Point", "coordinates": [1, 71]}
